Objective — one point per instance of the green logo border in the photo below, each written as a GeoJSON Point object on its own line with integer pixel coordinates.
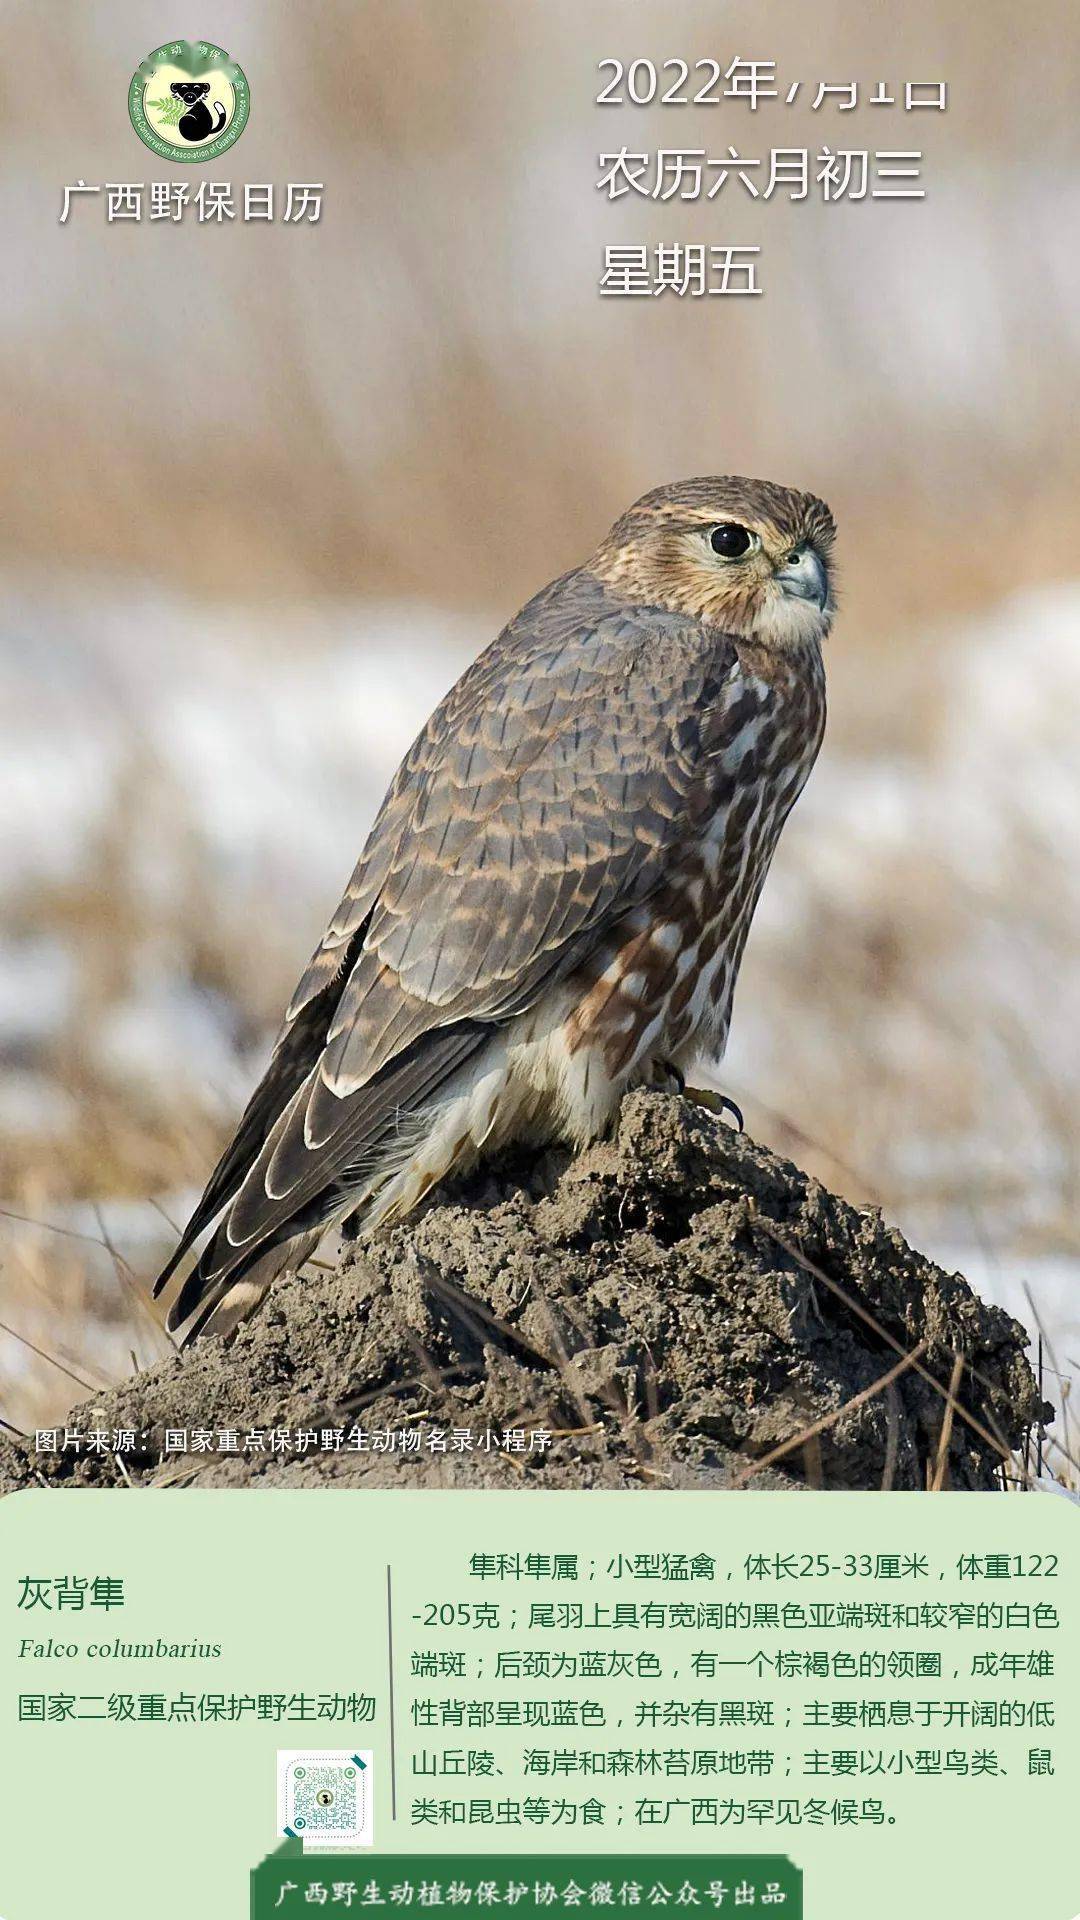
{"type": "Point", "coordinates": [214, 56]}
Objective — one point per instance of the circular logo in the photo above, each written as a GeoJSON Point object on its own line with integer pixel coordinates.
{"type": "Point", "coordinates": [188, 101]}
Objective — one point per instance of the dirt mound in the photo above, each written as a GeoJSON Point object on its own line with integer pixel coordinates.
{"type": "Point", "coordinates": [674, 1307]}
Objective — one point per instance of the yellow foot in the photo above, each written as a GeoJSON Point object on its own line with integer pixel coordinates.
{"type": "Point", "coordinates": [717, 1103]}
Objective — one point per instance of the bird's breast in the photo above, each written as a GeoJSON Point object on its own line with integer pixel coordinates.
{"type": "Point", "coordinates": [662, 982]}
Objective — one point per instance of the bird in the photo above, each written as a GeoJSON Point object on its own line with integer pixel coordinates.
{"type": "Point", "coordinates": [553, 901]}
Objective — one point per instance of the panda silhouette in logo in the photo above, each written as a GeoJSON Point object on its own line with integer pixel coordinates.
{"type": "Point", "coordinates": [198, 123]}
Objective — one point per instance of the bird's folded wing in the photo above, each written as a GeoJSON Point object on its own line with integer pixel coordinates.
{"type": "Point", "coordinates": [541, 801]}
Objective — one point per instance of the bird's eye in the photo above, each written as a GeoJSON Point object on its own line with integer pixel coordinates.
{"type": "Point", "coordinates": [730, 540]}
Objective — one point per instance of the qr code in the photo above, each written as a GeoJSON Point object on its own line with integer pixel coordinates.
{"type": "Point", "coordinates": [324, 1798]}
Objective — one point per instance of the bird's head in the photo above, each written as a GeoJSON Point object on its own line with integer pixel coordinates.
{"type": "Point", "coordinates": [746, 555]}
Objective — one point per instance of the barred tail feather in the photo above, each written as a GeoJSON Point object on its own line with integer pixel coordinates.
{"type": "Point", "coordinates": [322, 1153]}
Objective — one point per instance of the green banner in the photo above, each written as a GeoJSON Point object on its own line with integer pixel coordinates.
{"type": "Point", "coordinates": [529, 1886]}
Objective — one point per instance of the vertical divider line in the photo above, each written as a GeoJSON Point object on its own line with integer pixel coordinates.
{"type": "Point", "coordinates": [390, 1669]}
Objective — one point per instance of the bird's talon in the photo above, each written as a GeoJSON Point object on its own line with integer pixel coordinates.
{"type": "Point", "coordinates": [718, 1103]}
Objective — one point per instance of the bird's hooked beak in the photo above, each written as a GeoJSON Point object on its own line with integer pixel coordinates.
{"type": "Point", "coordinates": [803, 576]}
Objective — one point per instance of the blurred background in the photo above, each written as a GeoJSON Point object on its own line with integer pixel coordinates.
{"type": "Point", "coordinates": [267, 488]}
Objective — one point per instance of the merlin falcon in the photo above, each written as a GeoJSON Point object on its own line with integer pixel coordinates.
{"type": "Point", "coordinates": [552, 904]}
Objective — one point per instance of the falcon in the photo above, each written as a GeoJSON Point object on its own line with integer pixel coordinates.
{"type": "Point", "coordinates": [554, 899]}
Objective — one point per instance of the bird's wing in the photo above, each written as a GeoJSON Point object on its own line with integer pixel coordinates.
{"type": "Point", "coordinates": [298, 1045]}
{"type": "Point", "coordinates": [539, 803]}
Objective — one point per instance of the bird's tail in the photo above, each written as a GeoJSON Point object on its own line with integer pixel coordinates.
{"type": "Point", "coordinates": [224, 1306]}
{"type": "Point", "coordinates": [322, 1157]}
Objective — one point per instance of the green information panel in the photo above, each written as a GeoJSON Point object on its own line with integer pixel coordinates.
{"type": "Point", "coordinates": [594, 1701]}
